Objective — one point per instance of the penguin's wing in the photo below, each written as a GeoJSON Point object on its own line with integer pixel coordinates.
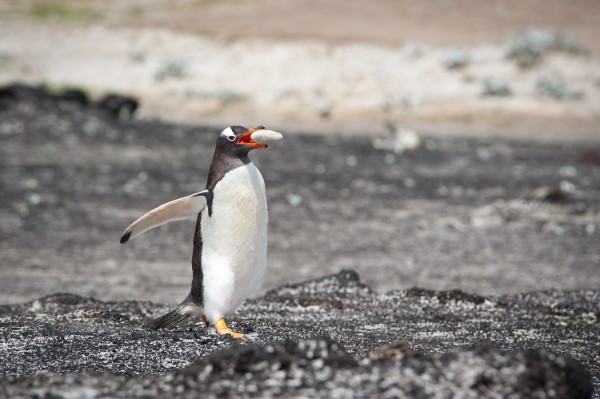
{"type": "Point", "coordinates": [178, 209]}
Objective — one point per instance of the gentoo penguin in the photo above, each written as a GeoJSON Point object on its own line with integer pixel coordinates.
{"type": "Point", "coordinates": [229, 258]}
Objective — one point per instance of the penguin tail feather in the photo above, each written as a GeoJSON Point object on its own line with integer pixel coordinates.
{"type": "Point", "coordinates": [171, 319]}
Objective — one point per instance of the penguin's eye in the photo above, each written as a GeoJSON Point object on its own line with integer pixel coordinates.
{"type": "Point", "coordinates": [231, 138]}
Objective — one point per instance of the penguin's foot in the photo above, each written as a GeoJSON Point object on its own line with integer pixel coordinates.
{"type": "Point", "coordinates": [205, 321]}
{"type": "Point", "coordinates": [222, 329]}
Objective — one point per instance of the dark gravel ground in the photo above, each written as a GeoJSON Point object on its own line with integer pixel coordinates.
{"type": "Point", "coordinates": [408, 343]}
{"type": "Point", "coordinates": [455, 213]}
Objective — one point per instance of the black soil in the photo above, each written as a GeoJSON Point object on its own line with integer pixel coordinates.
{"type": "Point", "coordinates": [490, 218]}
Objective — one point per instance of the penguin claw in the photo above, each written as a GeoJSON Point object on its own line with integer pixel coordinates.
{"type": "Point", "coordinates": [222, 329]}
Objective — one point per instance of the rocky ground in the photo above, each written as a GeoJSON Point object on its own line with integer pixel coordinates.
{"type": "Point", "coordinates": [490, 217]}
{"type": "Point", "coordinates": [330, 337]}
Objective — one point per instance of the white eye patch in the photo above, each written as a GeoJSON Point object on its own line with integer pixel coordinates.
{"type": "Point", "coordinates": [228, 133]}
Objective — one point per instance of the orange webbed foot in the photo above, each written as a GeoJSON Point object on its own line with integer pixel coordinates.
{"type": "Point", "coordinates": [222, 329]}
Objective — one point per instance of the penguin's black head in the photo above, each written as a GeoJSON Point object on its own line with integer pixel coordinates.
{"type": "Point", "coordinates": [239, 141]}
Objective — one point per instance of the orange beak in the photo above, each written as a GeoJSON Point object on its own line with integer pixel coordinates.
{"type": "Point", "coordinates": [247, 140]}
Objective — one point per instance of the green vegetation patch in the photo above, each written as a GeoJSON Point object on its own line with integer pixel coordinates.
{"type": "Point", "coordinates": [529, 47]}
{"type": "Point", "coordinates": [60, 12]}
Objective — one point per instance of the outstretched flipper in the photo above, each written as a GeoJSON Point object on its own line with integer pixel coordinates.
{"type": "Point", "coordinates": [178, 209]}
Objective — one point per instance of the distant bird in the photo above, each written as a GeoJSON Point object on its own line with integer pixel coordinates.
{"type": "Point", "coordinates": [229, 258]}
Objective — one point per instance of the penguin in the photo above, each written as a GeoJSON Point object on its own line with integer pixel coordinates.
{"type": "Point", "coordinates": [229, 257]}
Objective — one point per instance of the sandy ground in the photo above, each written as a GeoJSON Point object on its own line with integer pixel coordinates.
{"type": "Point", "coordinates": [326, 67]}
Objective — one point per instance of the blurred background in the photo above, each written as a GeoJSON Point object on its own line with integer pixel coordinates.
{"type": "Point", "coordinates": [438, 143]}
{"type": "Point", "coordinates": [336, 65]}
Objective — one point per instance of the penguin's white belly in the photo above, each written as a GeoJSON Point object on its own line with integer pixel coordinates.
{"type": "Point", "coordinates": [234, 250]}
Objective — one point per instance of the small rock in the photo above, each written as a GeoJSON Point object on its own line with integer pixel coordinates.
{"type": "Point", "coordinates": [390, 159]}
{"type": "Point", "coordinates": [294, 199]}
{"type": "Point", "coordinates": [484, 153]}
{"type": "Point", "coordinates": [555, 229]}
{"type": "Point", "coordinates": [34, 199]}
{"type": "Point", "coordinates": [548, 194]}
{"type": "Point", "coordinates": [409, 182]}
{"type": "Point", "coordinates": [76, 95]}
{"type": "Point", "coordinates": [351, 161]}
{"type": "Point", "coordinates": [567, 187]}
{"type": "Point", "coordinates": [398, 140]}
{"type": "Point", "coordinates": [122, 107]}
{"type": "Point", "coordinates": [590, 229]}
{"type": "Point", "coordinates": [35, 307]}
